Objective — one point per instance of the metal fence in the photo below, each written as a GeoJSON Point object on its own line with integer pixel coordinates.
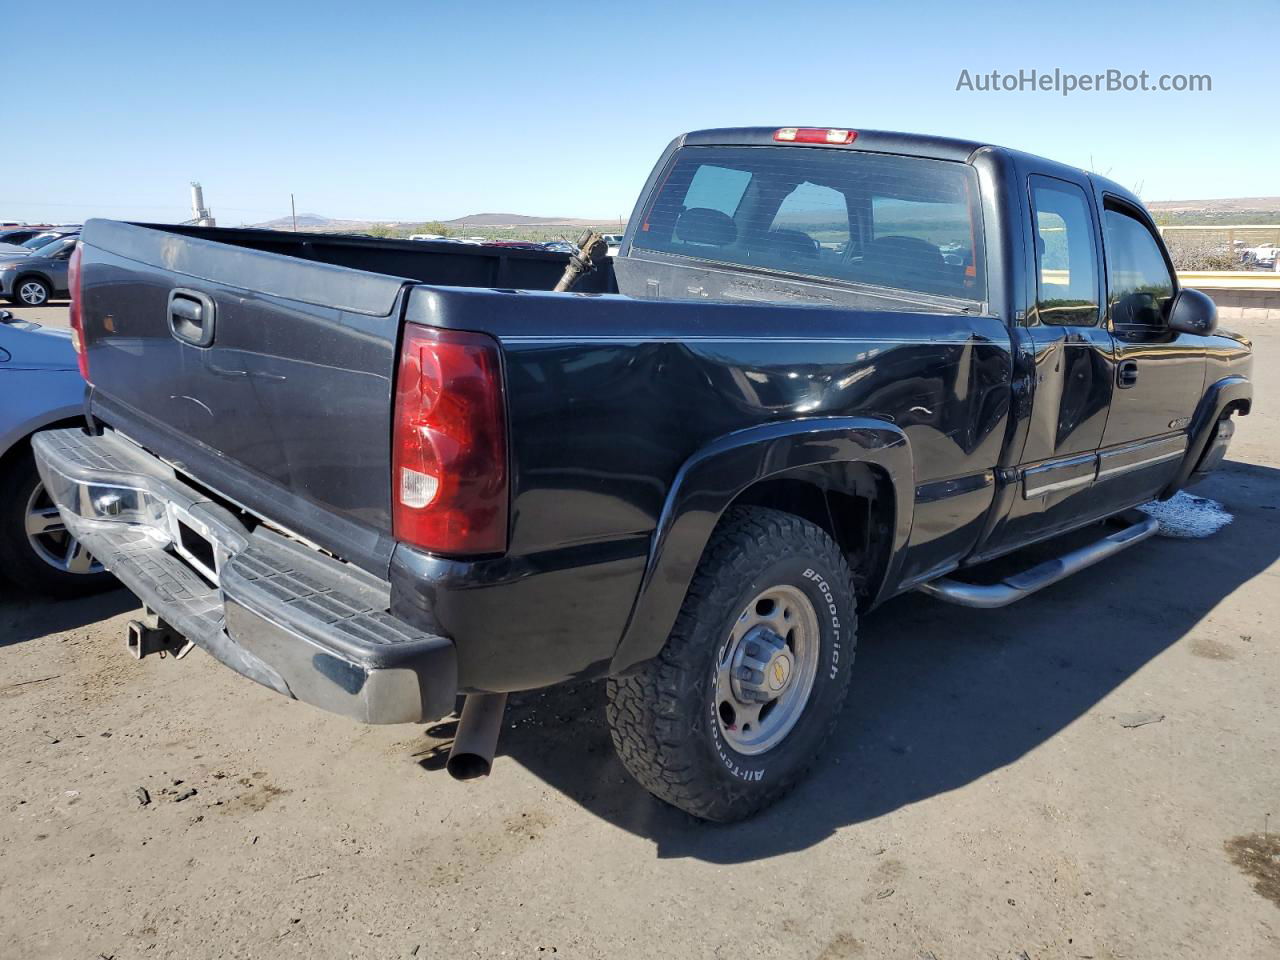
{"type": "Point", "coordinates": [1248, 247]}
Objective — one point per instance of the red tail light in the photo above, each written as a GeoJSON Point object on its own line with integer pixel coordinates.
{"type": "Point", "coordinates": [77, 311]}
{"type": "Point", "coordinates": [449, 443]}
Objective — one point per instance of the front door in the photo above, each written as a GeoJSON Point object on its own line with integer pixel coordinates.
{"type": "Point", "coordinates": [1159, 374]}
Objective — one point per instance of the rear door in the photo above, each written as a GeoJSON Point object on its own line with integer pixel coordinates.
{"type": "Point", "coordinates": [1159, 374]}
{"type": "Point", "coordinates": [1071, 382]}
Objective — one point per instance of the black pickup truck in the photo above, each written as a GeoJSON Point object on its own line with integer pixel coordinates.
{"type": "Point", "coordinates": [826, 367]}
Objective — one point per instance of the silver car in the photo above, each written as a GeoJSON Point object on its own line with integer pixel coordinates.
{"type": "Point", "coordinates": [33, 280]}
{"type": "Point", "coordinates": [40, 386]}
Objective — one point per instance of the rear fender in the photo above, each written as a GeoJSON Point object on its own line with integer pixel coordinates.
{"type": "Point", "coordinates": [714, 477]}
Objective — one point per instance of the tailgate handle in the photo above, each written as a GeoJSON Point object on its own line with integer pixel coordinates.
{"type": "Point", "coordinates": [191, 317]}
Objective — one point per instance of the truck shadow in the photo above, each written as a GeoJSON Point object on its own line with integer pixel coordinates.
{"type": "Point", "coordinates": [24, 617]}
{"type": "Point", "coordinates": [941, 694]}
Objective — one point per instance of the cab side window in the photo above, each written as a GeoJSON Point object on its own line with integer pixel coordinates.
{"type": "Point", "coordinates": [1140, 285]}
{"type": "Point", "coordinates": [1066, 253]}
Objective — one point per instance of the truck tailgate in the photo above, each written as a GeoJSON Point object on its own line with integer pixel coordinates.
{"type": "Point", "coordinates": [265, 378]}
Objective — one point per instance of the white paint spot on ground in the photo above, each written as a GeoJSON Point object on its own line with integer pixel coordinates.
{"type": "Point", "coordinates": [1188, 517]}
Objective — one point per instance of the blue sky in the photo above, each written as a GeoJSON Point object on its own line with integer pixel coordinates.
{"type": "Point", "coordinates": [427, 109]}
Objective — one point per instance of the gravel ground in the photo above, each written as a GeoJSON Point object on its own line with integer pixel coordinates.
{"type": "Point", "coordinates": [1092, 773]}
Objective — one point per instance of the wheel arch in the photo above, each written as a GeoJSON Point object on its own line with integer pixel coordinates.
{"type": "Point", "coordinates": [812, 468]}
{"type": "Point", "coordinates": [18, 441]}
{"type": "Point", "coordinates": [852, 500]}
{"type": "Point", "coordinates": [1231, 394]}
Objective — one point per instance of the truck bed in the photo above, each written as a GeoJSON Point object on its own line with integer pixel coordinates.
{"type": "Point", "coordinates": [424, 261]}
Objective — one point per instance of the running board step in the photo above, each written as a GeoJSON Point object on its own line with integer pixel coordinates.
{"type": "Point", "coordinates": [1010, 589]}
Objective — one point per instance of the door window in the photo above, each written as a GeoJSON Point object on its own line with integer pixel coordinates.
{"type": "Point", "coordinates": [1066, 253]}
{"type": "Point", "coordinates": [1140, 285]}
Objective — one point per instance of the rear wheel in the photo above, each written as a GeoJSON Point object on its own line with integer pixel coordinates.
{"type": "Point", "coordinates": [749, 685]}
{"type": "Point", "coordinates": [32, 292]}
{"type": "Point", "coordinates": [36, 551]}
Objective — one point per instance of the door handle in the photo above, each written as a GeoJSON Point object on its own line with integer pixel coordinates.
{"type": "Point", "coordinates": [191, 315]}
{"type": "Point", "coordinates": [1127, 373]}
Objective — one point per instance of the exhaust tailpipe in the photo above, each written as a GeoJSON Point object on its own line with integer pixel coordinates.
{"type": "Point", "coordinates": [477, 738]}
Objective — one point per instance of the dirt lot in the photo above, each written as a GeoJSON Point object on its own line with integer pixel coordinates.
{"type": "Point", "coordinates": [52, 315]}
{"type": "Point", "coordinates": [1086, 774]}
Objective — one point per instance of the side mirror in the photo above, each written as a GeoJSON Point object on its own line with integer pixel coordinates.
{"type": "Point", "coordinates": [1193, 312]}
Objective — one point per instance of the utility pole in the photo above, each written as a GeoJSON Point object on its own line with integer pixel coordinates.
{"type": "Point", "coordinates": [201, 216]}
{"type": "Point", "coordinates": [293, 209]}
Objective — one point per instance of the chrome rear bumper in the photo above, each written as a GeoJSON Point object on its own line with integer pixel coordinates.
{"type": "Point", "coordinates": [274, 610]}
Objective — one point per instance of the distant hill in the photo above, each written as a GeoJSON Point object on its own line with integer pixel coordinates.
{"type": "Point", "coordinates": [311, 221]}
{"type": "Point", "coordinates": [518, 220]}
{"type": "Point", "coordinates": [1225, 205]}
{"type": "Point", "coordinates": [1221, 212]}
{"type": "Point", "coordinates": [315, 223]}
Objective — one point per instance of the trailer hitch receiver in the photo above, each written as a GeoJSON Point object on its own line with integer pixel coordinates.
{"type": "Point", "coordinates": [153, 635]}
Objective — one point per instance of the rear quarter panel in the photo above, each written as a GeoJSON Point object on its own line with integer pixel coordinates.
{"type": "Point", "coordinates": [609, 396]}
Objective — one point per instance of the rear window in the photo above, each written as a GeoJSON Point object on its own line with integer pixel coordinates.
{"type": "Point", "coordinates": [901, 222]}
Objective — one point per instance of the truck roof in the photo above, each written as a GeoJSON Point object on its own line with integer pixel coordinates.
{"type": "Point", "coordinates": [878, 141]}
{"type": "Point", "coordinates": [888, 141]}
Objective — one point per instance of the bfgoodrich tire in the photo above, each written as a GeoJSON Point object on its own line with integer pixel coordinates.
{"type": "Point", "coordinates": [746, 691]}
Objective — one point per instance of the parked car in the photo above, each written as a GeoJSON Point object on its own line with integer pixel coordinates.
{"type": "Point", "coordinates": [35, 279]}
{"type": "Point", "coordinates": [22, 253]}
{"type": "Point", "coordinates": [14, 236]}
{"type": "Point", "coordinates": [40, 387]}
{"type": "Point", "coordinates": [1263, 255]}
{"type": "Point", "coordinates": [372, 493]}
{"type": "Point", "coordinates": [39, 240]}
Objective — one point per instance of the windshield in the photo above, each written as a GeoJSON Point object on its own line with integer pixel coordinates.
{"type": "Point", "coordinates": [893, 221]}
{"type": "Point", "coordinates": [40, 239]}
{"type": "Point", "coordinates": [56, 247]}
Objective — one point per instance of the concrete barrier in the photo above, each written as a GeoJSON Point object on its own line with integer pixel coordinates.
{"type": "Point", "coordinates": [1239, 295]}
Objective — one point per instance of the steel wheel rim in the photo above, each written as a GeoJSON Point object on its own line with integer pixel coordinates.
{"type": "Point", "coordinates": [31, 293]}
{"type": "Point", "coordinates": [775, 640]}
{"type": "Point", "coordinates": [51, 541]}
